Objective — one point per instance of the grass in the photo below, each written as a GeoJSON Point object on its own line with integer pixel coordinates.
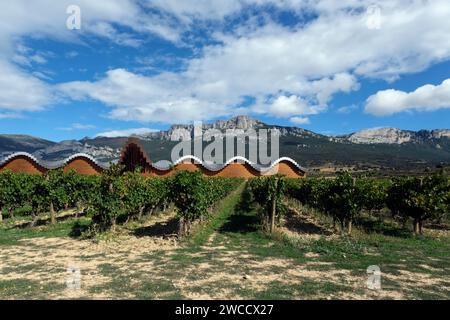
{"type": "Point", "coordinates": [27, 289]}
{"type": "Point", "coordinates": [226, 208]}
{"type": "Point", "coordinates": [229, 257]}
{"type": "Point", "coordinates": [11, 235]}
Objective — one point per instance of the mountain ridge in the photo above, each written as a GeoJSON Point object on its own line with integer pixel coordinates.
{"type": "Point", "coordinates": [369, 148]}
{"type": "Point", "coordinates": [390, 135]}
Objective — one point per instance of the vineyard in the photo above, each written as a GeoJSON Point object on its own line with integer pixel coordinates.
{"type": "Point", "coordinates": [115, 197]}
{"type": "Point", "coordinates": [344, 198]}
{"type": "Point", "coordinates": [118, 196]}
{"type": "Point", "coordinates": [224, 218]}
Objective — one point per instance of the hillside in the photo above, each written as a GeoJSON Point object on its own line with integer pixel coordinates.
{"type": "Point", "coordinates": [22, 143]}
{"type": "Point", "coordinates": [387, 148]}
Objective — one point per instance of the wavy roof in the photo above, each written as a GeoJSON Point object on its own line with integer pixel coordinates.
{"type": "Point", "coordinates": [167, 165]}
{"type": "Point", "coordinates": [162, 165]}
{"type": "Point", "coordinates": [53, 164]}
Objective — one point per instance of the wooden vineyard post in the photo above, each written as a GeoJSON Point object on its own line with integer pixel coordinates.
{"type": "Point", "coordinates": [350, 220]}
{"type": "Point", "coordinates": [274, 207]}
{"type": "Point", "coordinates": [418, 227]}
{"type": "Point", "coordinates": [52, 213]}
{"type": "Point", "coordinates": [52, 207]}
{"type": "Point", "coordinates": [181, 227]}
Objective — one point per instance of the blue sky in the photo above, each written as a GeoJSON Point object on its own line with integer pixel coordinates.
{"type": "Point", "coordinates": [135, 65]}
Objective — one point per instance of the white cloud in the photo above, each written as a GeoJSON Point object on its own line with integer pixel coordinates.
{"type": "Point", "coordinates": [10, 115]}
{"type": "Point", "coordinates": [300, 120]}
{"type": "Point", "coordinates": [290, 71]}
{"type": "Point", "coordinates": [174, 98]}
{"type": "Point", "coordinates": [24, 91]}
{"type": "Point", "coordinates": [310, 62]}
{"type": "Point", "coordinates": [20, 91]}
{"type": "Point", "coordinates": [102, 18]}
{"type": "Point", "coordinates": [77, 126]}
{"type": "Point", "coordinates": [71, 54]}
{"type": "Point", "coordinates": [348, 109]}
{"type": "Point", "coordinates": [426, 98]}
{"type": "Point", "coordinates": [286, 106]}
{"type": "Point", "coordinates": [126, 133]}
{"type": "Point", "coordinates": [106, 30]}
{"type": "Point", "coordinates": [164, 98]}
{"type": "Point", "coordinates": [188, 10]}
{"type": "Point", "coordinates": [190, 96]}
{"type": "Point", "coordinates": [326, 87]}
{"type": "Point", "coordinates": [80, 126]}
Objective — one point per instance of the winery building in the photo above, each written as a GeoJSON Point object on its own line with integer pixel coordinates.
{"type": "Point", "coordinates": [134, 155]}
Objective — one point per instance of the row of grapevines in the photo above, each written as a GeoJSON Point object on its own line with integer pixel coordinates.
{"type": "Point", "coordinates": [123, 196]}
{"type": "Point", "coordinates": [116, 196]}
{"type": "Point", "coordinates": [344, 197]}
{"type": "Point", "coordinates": [51, 192]}
{"type": "Point", "coordinates": [421, 199]}
{"type": "Point", "coordinates": [193, 194]}
{"type": "Point", "coordinates": [268, 193]}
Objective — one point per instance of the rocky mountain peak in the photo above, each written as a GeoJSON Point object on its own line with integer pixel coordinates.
{"type": "Point", "coordinates": [381, 135]}
{"type": "Point", "coordinates": [187, 131]}
{"type": "Point", "coordinates": [396, 136]}
{"type": "Point", "coordinates": [239, 122]}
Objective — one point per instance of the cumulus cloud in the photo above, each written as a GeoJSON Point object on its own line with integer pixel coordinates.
{"type": "Point", "coordinates": [286, 106]}
{"type": "Point", "coordinates": [101, 18]}
{"type": "Point", "coordinates": [307, 63]}
{"type": "Point", "coordinates": [126, 133]}
{"type": "Point", "coordinates": [290, 71]}
{"type": "Point", "coordinates": [20, 91]}
{"type": "Point", "coordinates": [189, 10]}
{"type": "Point", "coordinates": [164, 98]}
{"type": "Point", "coordinates": [174, 97]}
{"type": "Point", "coordinates": [300, 120]}
{"type": "Point", "coordinates": [425, 98]}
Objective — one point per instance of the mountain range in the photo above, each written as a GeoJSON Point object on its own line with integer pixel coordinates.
{"type": "Point", "coordinates": [378, 148]}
